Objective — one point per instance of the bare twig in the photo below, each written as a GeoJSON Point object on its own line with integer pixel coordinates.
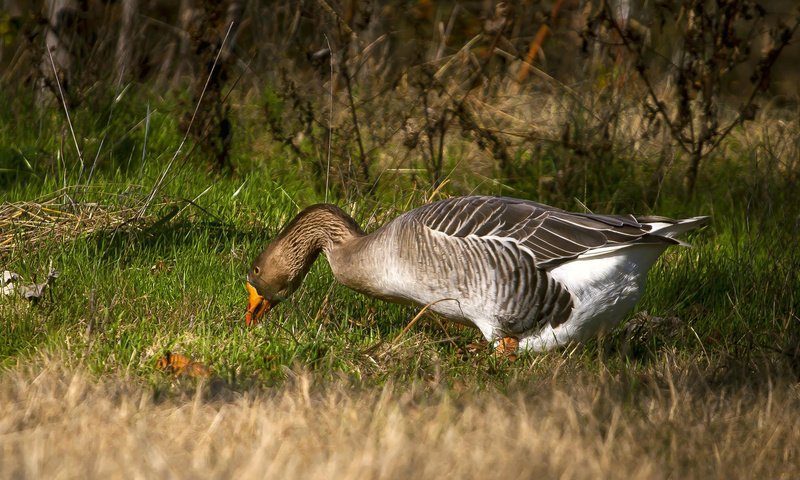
{"type": "Point", "coordinates": [339, 20]}
{"type": "Point", "coordinates": [418, 316]}
{"type": "Point", "coordinates": [446, 32]}
{"type": "Point", "coordinates": [330, 123]}
{"type": "Point", "coordinates": [696, 125]}
{"type": "Point", "coordinates": [66, 110]}
{"type": "Point", "coordinates": [163, 176]}
{"type": "Point", "coordinates": [364, 164]}
{"type": "Point", "coordinates": [765, 68]}
{"type": "Point", "coordinates": [660, 106]}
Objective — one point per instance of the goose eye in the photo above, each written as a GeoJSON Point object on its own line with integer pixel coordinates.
{"type": "Point", "coordinates": [256, 270]}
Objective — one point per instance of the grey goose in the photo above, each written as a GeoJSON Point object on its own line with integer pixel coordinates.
{"type": "Point", "coordinates": [517, 270]}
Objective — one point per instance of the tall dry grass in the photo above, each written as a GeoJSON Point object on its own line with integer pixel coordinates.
{"type": "Point", "coordinates": [60, 422]}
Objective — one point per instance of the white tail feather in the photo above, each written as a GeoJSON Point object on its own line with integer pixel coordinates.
{"type": "Point", "coordinates": [673, 229]}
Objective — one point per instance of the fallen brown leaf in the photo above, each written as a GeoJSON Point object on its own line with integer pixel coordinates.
{"type": "Point", "coordinates": [180, 365]}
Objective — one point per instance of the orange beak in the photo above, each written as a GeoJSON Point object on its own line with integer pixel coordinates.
{"type": "Point", "coordinates": [257, 306]}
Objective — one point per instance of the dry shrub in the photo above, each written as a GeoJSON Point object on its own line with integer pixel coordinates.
{"type": "Point", "coordinates": [677, 423]}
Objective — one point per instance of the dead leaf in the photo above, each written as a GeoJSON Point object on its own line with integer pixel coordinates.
{"type": "Point", "coordinates": [10, 283]}
{"type": "Point", "coordinates": [7, 281]}
{"type": "Point", "coordinates": [473, 348]}
{"type": "Point", "coordinates": [158, 267]}
{"type": "Point", "coordinates": [180, 365]}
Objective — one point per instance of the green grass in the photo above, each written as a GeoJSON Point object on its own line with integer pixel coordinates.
{"type": "Point", "coordinates": [700, 381]}
{"type": "Point", "coordinates": [175, 281]}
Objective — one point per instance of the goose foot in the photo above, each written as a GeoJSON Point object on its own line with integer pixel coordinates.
{"type": "Point", "coordinates": [507, 348]}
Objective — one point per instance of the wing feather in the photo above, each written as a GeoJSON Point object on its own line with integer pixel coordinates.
{"type": "Point", "coordinates": [551, 235]}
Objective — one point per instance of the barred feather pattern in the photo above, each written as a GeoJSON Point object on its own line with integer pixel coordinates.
{"type": "Point", "coordinates": [493, 281]}
{"type": "Point", "coordinates": [494, 254]}
{"type": "Point", "coordinates": [507, 266]}
{"type": "Point", "coordinates": [551, 235]}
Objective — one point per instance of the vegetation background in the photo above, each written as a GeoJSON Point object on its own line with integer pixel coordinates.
{"type": "Point", "coordinates": [150, 149]}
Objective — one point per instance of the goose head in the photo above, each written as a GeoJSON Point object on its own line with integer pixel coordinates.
{"type": "Point", "coordinates": [274, 275]}
{"type": "Point", "coordinates": [280, 268]}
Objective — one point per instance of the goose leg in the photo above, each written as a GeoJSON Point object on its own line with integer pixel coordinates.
{"type": "Point", "coordinates": [507, 348]}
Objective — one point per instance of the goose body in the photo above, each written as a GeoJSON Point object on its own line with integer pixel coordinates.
{"type": "Point", "coordinates": [512, 268]}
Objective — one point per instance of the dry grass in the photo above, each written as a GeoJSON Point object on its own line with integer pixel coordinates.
{"type": "Point", "coordinates": [32, 223]}
{"type": "Point", "coordinates": [58, 422]}
{"type": "Point", "coordinates": [58, 216]}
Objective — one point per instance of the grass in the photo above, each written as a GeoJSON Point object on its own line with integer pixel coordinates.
{"type": "Point", "coordinates": [59, 421]}
{"type": "Point", "coordinates": [701, 381]}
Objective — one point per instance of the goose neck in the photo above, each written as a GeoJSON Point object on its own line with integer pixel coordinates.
{"type": "Point", "coordinates": [319, 228]}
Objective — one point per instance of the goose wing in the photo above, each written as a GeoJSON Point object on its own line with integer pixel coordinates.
{"type": "Point", "coordinates": [551, 235]}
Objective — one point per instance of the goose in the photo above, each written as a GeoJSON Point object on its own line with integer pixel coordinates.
{"type": "Point", "coordinates": [529, 276]}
